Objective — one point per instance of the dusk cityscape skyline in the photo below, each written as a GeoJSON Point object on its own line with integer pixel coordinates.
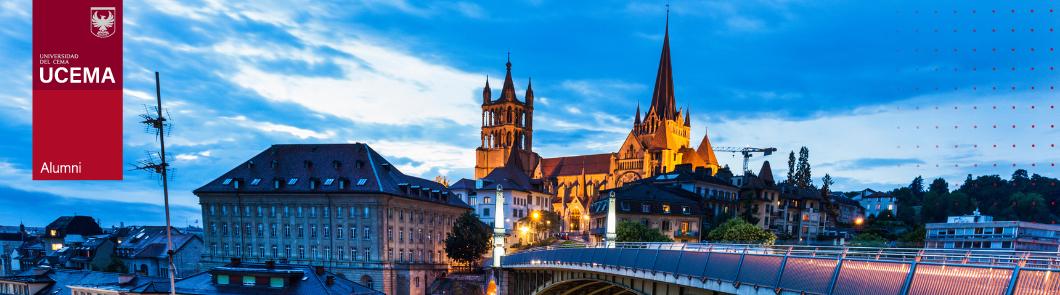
{"type": "Point", "coordinates": [894, 100]}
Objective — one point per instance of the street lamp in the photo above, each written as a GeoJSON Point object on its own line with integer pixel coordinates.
{"type": "Point", "coordinates": [536, 215]}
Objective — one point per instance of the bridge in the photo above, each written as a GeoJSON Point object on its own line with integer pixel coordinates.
{"type": "Point", "coordinates": [680, 268]}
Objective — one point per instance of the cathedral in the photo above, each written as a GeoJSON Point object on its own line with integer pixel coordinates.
{"type": "Point", "coordinates": [658, 140]}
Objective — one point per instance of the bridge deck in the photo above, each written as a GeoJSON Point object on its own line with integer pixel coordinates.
{"type": "Point", "coordinates": [817, 270]}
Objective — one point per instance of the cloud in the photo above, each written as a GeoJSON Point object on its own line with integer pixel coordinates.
{"type": "Point", "coordinates": [600, 88]}
{"type": "Point", "coordinates": [892, 143]}
{"type": "Point", "coordinates": [429, 156]}
{"type": "Point", "coordinates": [280, 128]}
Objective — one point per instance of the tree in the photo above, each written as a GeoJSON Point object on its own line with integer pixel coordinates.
{"type": "Point", "coordinates": [116, 265]}
{"type": "Point", "coordinates": [939, 186]}
{"type": "Point", "coordinates": [868, 240]}
{"type": "Point", "coordinates": [803, 177]}
{"type": "Point", "coordinates": [917, 187]}
{"type": "Point", "coordinates": [791, 167]}
{"type": "Point", "coordinates": [468, 240]}
{"type": "Point", "coordinates": [826, 184]}
{"type": "Point", "coordinates": [629, 231]}
{"type": "Point", "coordinates": [737, 230]}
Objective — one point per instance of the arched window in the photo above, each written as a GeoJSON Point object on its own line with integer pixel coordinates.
{"type": "Point", "coordinates": [367, 281]}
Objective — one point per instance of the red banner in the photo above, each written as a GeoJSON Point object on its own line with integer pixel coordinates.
{"type": "Point", "coordinates": [77, 90]}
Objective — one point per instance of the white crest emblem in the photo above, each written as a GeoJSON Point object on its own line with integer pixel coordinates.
{"type": "Point", "coordinates": [102, 21]}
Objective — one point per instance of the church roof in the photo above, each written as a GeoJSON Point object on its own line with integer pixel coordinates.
{"type": "Point", "coordinates": [662, 99]}
{"type": "Point", "coordinates": [508, 90]}
{"type": "Point", "coordinates": [510, 176]}
{"type": "Point", "coordinates": [706, 151]}
{"type": "Point", "coordinates": [575, 165]}
{"type": "Point", "coordinates": [689, 156]}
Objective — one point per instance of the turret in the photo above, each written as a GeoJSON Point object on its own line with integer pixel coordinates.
{"type": "Point", "coordinates": [486, 95]}
{"type": "Point", "coordinates": [529, 93]}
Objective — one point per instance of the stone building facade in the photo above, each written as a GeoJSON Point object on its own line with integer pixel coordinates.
{"type": "Point", "coordinates": [340, 206]}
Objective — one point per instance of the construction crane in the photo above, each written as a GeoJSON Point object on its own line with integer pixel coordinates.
{"type": "Point", "coordinates": [746, 152]}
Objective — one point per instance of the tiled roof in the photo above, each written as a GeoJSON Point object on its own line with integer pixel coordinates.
{"type": "Point", "coordinates": [323, 168]}
{"type": "Point", "coordinates": [75, 225]}
{"type": "Point", "coordinates": [575, 165]}
{"type": "Point", "coordinates": [684, 173]}
{"type": "Point", "coordinates": [636, 194]}
{"type": "Point", "coordinates": [510, 177]}
{"type": "Point", "coordinates": [150, 242]}
{"type": "Point", "coordinates": [310, 282]}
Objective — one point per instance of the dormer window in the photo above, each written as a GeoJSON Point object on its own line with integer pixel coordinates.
{"type": "Point", "coordinates": [292, 181]}
{"type": "Point", "coordinates": [362, 181]}
{"type": "Point", "coordinates": [276, 183]}
{"type": "Point", "coordinates": [666, 208]}
{"type": "Point", "coordinates": [227, 181]}
{"type": "Point", "coordinates": [645, 208]}
{"type": "Point", "coordinates": [313, 183]}
{"type": "Point", "coordinates": [343, 183]}
{"type": "Point", "coordinates": [329, 181]}
{"type": "Point", "coordinates": [274, 164]}
{"type": "Point", "coordinates": [684, 210]}
{"type": "Point", "coordinates": [255, 181]}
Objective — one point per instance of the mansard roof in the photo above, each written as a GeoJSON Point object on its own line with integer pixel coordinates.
{"type": "Point", "coordinates": [307, 168]}
{"type": "Point", "coordinates": [74, 225]}
{"type": "Point", "coordinates": [576, 165]}
{"type": "Point", "coordinates": [633, 195]}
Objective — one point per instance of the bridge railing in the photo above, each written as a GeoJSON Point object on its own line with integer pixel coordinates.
{"type": "Point", "coordinates": [989, 257]}
{"type": "Point", "coordinates": [812, 269]}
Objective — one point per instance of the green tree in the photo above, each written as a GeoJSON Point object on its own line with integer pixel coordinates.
{"type": "Point", "coordinates": [868, 240]}
{"type": "Point", "coordinates": [737, 230]}
{"type": "Point", "coordinates": [803, 177]}
{"type": "Point", "coordinates": [826, 184]}
{"type": "Point", "coordinates": [939, 186]}
{"type": "Point", "coordinates": [917, 186]}
{"type": "Point", "coordinates": [629, 231]}
{"type": "Point", "coordinates": [468, 240]}
{"type": "Point", "coordinates": [791, 167]}
{"type": "Point", "coordinates": [913, 238]}
{"type": "Point", "coordinates": [116, 265]}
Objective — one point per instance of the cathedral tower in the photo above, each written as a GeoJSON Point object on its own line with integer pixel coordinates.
{"type": "Point", "coordinates": [507, 128]}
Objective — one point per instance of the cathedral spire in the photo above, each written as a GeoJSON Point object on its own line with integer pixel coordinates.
{"type": "Point", "coordinates": [529, 97]}
{"type": "Point", "coordinates": [636, 121]}
{"type": "Point", "coordinates": [508, 90]}
{"type": "Point", "coordinates": [662, 100]}
{"type": "Point", "coordinates": [688, 121]}
{"type": "Point", "coordinates": [486, 93]}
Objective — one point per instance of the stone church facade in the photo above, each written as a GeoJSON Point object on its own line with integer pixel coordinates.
{"type": "Point", "coordinates": [658, 140]}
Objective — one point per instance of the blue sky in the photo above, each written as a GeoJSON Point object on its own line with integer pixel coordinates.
{"type": "Point", "coordinates": [880, 92]}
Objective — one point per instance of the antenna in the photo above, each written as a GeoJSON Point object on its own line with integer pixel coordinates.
{"type": "Point", "coordinates": [155, 122]}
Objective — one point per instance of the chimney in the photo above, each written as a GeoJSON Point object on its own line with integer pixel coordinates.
{"type": "Point", "coordinates": [330, 280]}
{"type": "Point", "coordinates": [125, 278]}
{"type": "Point", "coordinates": [235, 262]}
{"type": "Point", "coordinates": [319, 270]}
{"type": "Point", "coordinates": [270, 264]}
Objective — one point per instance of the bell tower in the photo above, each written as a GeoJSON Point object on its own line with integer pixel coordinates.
{"type": "Point", "coordinates": [507, 128]}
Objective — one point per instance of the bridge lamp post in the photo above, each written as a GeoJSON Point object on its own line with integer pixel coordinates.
{"type": "Point", "coordinates": [610, 236]}
{"type": "Point", "coordinates": [498, 228]}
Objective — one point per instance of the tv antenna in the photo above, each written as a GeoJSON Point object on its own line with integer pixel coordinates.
{"type": "Point", "coordinates": [155, 122]}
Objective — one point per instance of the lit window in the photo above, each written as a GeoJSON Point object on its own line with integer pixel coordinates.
{"type": "Point", "coordinates": [222, 279]}
{"type": "Point", "coordinates": [248, 280]}
{"type": "Point", "coordinates": [292, 181]}
{"type": "Point", "coordinates": [57, 246]}
{"type": "Point", "coordinates": [276, 282]}
{"type": "Point", "coordinates": [666, 208]}
{"type": "Point", "coordinates": [362, 181]}
{"type": "Point", "coordinates": [53, 233]}
{"type": "Point", "coordinates": [256, 181]}
{"type": "Point", "coordinates": [329, 181]}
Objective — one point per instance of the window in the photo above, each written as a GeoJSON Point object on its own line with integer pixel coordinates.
{"type": "Point", "coordinates": [222, 279]}
{"type": "Point", "coordinates": [362, 181]}
{"type": "Point", "coordinates": [255, 181]}
{"type": "Point", "coordinates": [292, 181]}
{"type": "Point", "coordinates": [666, 208]}
{"type": "Point", "coordinates": [301, 231]}
{"type": "Point", "coordinates": [485, 212]}
{"type": "Point", "coordinates": [312, 230]}
{"type": "Point", "coordinates": [685, 210]}
{"type": "Point", "coordinates": [226, 181]}
{"type": "Point", "coordinates": [338, 212]}
{"type": "Point", "coordinates": [301, 252]}
{"type": "Point", "coordinates": [338, 232]}
{"type": "Point", "coordinates": [275, 282]}
{"type": "Point", "coordinates": [624, 205]}
{"type": "Point", "coordinates": [286, 230]}
{"type": "Point", "coordinates": [365, 212]}
{"type": "Point", "coordinates": [646, 208]}
{"type": "Point", "coordinates": [272, 230]}
{"type": "Point", "coordinates": [366, 232]}
{"type": "Point", "coordinates": [367, 254]}
{"type": "Point", "coordinates": [248, 280]}
{"type": "Point", "coordinates": [329, 181]}
{"type": "Point", "coordinates": [327, 231]}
